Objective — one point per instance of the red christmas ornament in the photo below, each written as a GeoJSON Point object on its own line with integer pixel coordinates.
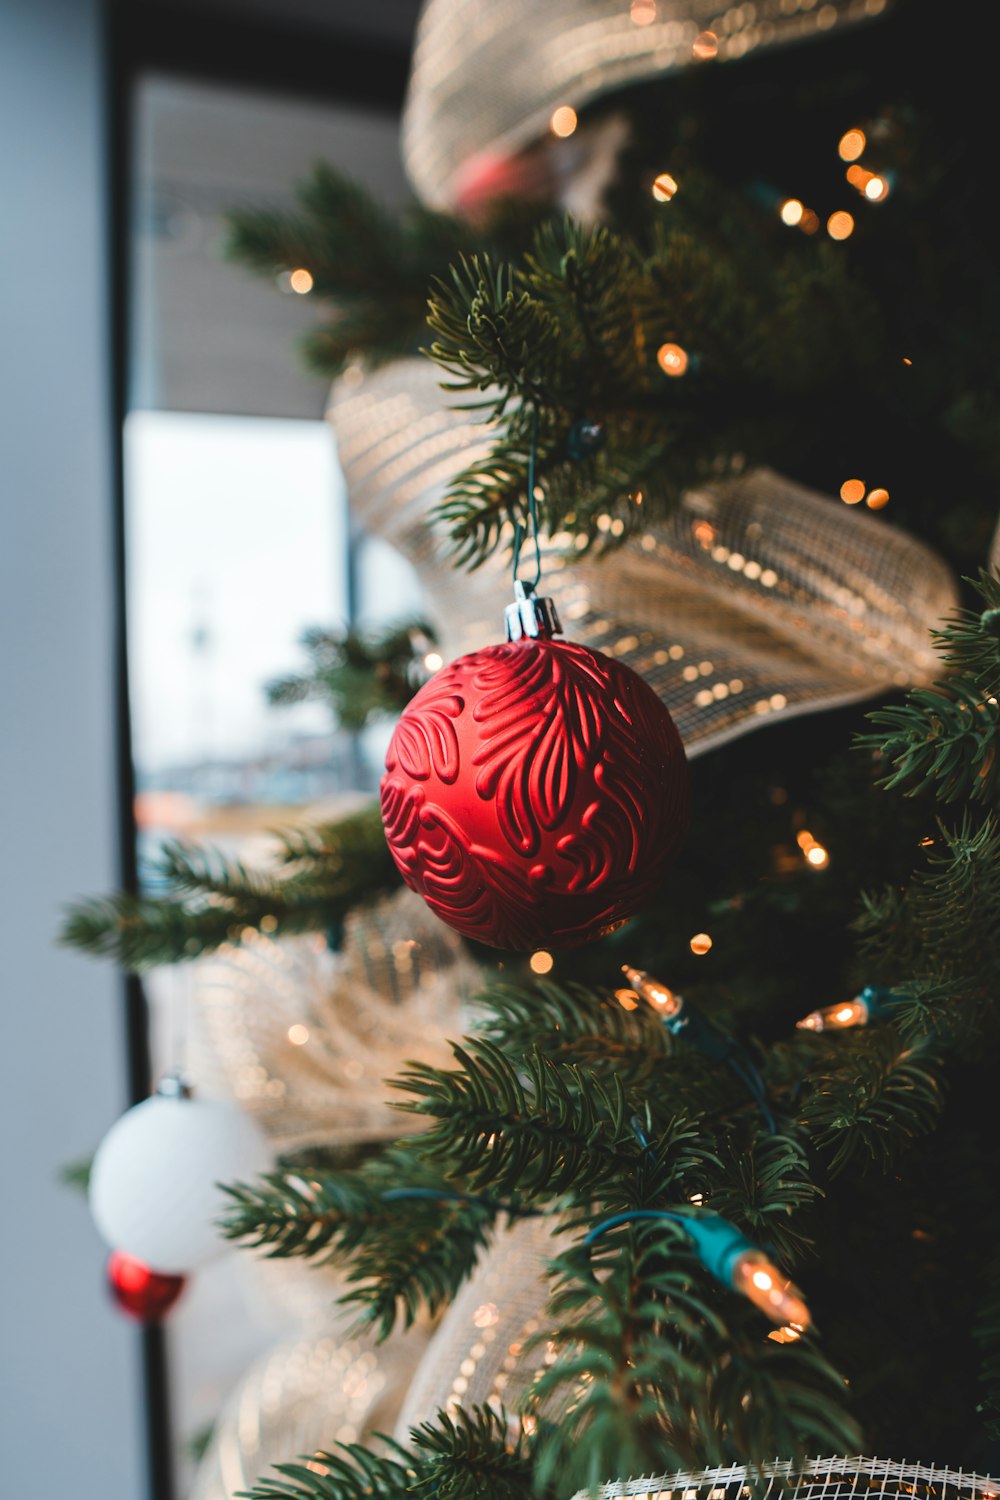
{"type": "Point", "coordinates": [139, 1291]}
{"type": "Point", "coordinates": [534, 791]}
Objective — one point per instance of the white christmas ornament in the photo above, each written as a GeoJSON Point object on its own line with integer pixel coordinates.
{"type": "Point", "coordinates": [154, 1183]}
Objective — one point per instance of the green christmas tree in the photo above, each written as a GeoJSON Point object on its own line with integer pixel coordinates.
{"type": "Point", "coordinates": [794, 1077]}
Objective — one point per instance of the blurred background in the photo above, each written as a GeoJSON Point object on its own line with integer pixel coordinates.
{"type": "Point", "coordinates": [128, 129]}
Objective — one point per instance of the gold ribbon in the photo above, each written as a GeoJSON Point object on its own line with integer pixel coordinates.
{"type": "Point", "coordinates": [321, 1386]}
{"type": "Point", "coordinates": [758, 599]}
{"type": "Point", "coordinates": [816, 1479]}
{"type": "Point", "coordinates": [303, 1038]}
{"type": "Point", "coordinates": [488, 74]}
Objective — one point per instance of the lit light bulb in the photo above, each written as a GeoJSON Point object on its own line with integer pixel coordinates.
{"type": "Point", "coordinates": [791, 212]}
{"type": "Point", "coordinates": [301, 281]}
{"type": "Point", "coordinates": [786, 1335]}
{"type": "Point", "coordinates": [664, 187]}
{"type": "Point", "coordinates": [851, 145]}
{"type": "Point", "coordinates": [852, 491]}
{"type": "Point", "coordinates": [840, 225]}
{"type": "Point", "coordinates": [541, 962]}
{"type": "Point", "coordinates": [642, 12]}
{"type": "Point", "coordinates": [433, 662]}
{"type": "Point", "coordinates": [563, 121]}
{"type": "Point", "coordinates": [705, 46]}
{"type": "Point", "coordinates": [877, 499]}
{"type": "Point", "coordinates": [298, 1034]}
{"type": "Point", "coordinates": [700, 943]}
{"type": "Point", "coordinates": [656, 995]}
{"type": "Point", "coordinates": [672, 359]}
{"type": "Point", "coordinates": [856, 1012]}
{"type": "Point", "coordinates": [876, 189]}
{"type": "Point", "coordinates": [813, 851]}
{"type": "Point", "coordinates": [766, 1287]}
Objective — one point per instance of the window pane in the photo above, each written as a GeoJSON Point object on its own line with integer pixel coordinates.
{"type": "Point", "coordinates": [237, 540]}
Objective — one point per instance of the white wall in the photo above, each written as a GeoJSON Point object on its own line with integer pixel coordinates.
{"type": "Point", "coordinates": [70, 1395]}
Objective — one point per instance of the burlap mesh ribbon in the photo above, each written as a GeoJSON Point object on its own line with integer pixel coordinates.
{"type": "Point", "coordinates": [477, 90]}
{"type": "Point", "coordinates": [321, 1386]}
{"type": "Point", "coordinates": [480, 1354]}
{"type": "Point", "coordinates": [304, 1038]}
{"type": "Point", "coordinates": [817, 1479]}
{"type": "Point", "coordinates": [759, 598]}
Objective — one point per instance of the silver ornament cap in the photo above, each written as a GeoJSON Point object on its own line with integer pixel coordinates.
{"type": "Point", "coordinates": [530, 615]}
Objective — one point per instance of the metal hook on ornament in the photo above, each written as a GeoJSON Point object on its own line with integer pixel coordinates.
{"type": "Point", "coordinates": [532, 517]}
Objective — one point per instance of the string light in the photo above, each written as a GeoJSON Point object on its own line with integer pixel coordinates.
{"type": "Point", "coordinates": [664, 187]}
{"type": "Point", "coordinates": [301, 281]}
{"type": "Point", "coordinates": [541, 962]}
{"type": "Point", "coordinates": [870, 1005]}
{"type": "Point", "coordinates": [840, 225]}
{"type": "Point", "coordinates": [705, 46]}
{"type": "Point", "coordinates": [815, 854]}
{"type": "Point", "coordinates": [672, 359]}
{"type": "Point", "coordinates": [776, 1296]}
{"type": "Point", "coordinates": [791, 212]}
{"type": "Point", "coordinates": [563, 121]}
{"type": "Point", "coordinates": [876, 188]}
{"type": "Point", "coordinates": [700, 943]}
{"type": "Point", "coordinates": [809, 222]}
{"type": "Point", "coordinates": [298, 1034]}
{"type": "Point", "coordinates": [851, 145]}
{"type": "Point", "coordinates": [786, 1335]}
{"type": "Point", "coordinates": [877, 499]}
{"type": "Point", "coordinates": [852, 491]}
{"type": "Point", "coordinates": [685, 1020]}
{"type": "Point", "coordinates": [656, 995]}
{"type": "Point", "coordinates": [729, 1256]}
{"type": "Point", "coordinates": [433, 662]}
{"type": "Point", "coordinates": [642, 12]}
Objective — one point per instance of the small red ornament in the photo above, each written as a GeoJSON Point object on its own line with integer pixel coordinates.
{"type": "Point", "coordinates": [139, 1291]}
{"type": "Point", "coordinates": [534, 791]}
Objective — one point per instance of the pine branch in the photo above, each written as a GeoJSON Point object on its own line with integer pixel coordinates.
{"type": "Point", "coordinates": [473, 1456]}
{"type": "Point", "coordinates": [574, 330]}
{"type": "Point", "coordinates": [402, 1253]}
{"type": "Point", "coordinates": [350, 1472]}
{"type": "Point", "coordinates": [527, 1126]}
{"type": "Point", "coordinates": [943, 737]}
{"type": "Point", "coordinates": [766, 1183]}
{"type": "Point", "coordinates": [360, 675]}
{"type": "Point", "coordinates": [946, 737]}
{"type": "Point", "coordinates": [211, 898]}
{"type": "Point", "coordinates": [924, 938]}
{"type": "Point", "coordinates": [651, 1375]}
{"type": "Point", "coordinates": [632, 1338]}
{"type": "Point", "coordinates": [962, 876]}
{"type": "Point", "coordinates": [371, 269]}
{"type": "Point", "coordinates": [970, 640]}
{"type": "Point", "coordinates": [874, 1095]}
{"type": "Point", "coordinates": [575, 1024]}
{"type": "Point", "coordinates": [774, 1398]}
